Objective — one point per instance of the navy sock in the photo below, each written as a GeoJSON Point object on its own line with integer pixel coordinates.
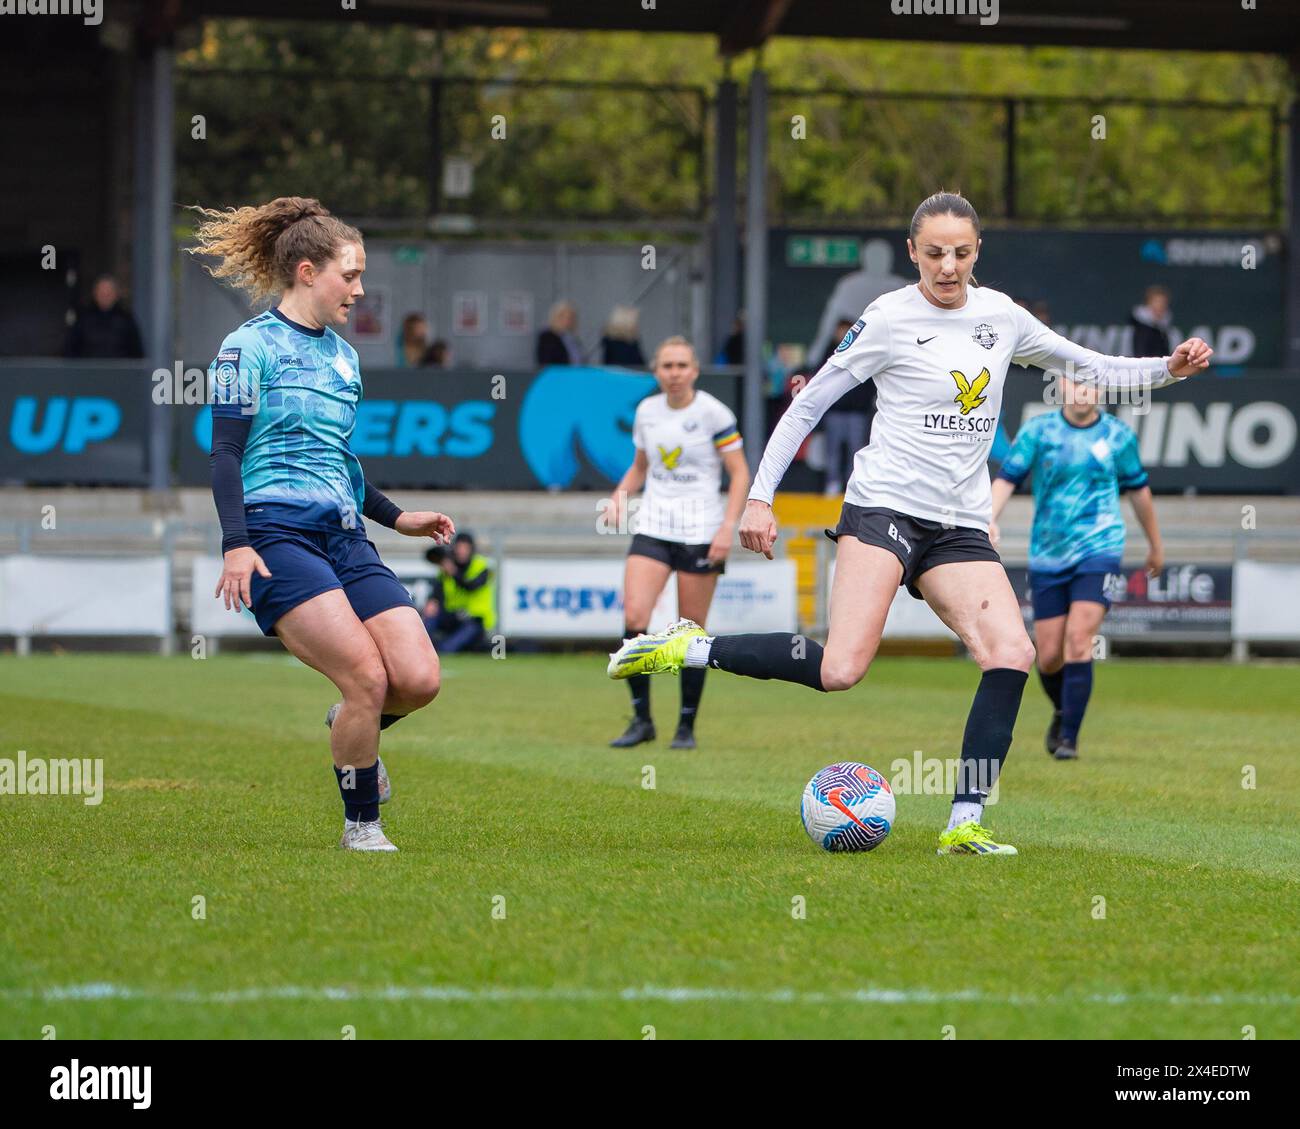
{"type": "Point", "coordinates": [791, 658]}
{"type": "Point", "coordinates": [1052, 685]}
{"type": "Point", "coordinates": [387, 719]}
{"type": "Point", "coordinates": [988, 733]}
{"type": "Point", "coordinates": [1076, 689]}
{"type": "Point", "coordinates": [692, 678]}
{"type": "Point", "coordinates": [361, 800]}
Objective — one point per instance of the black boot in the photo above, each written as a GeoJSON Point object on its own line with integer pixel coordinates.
{"type": "Point", "coordinates": [1054, 733]}
{"type": "Point", "coordinates": [684, 738]}
{"type": "Point", "coordinates": [641, 729]}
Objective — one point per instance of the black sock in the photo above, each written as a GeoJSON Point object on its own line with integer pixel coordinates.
{"type": "Point", "coordinates": [692, 678]}
{"type": "Point", "coordinates": [988, 733]}
{"type": "Point", "coordinates": [1052, 684]}
{"type": "Point", "coordinates": [639, 684]}
{"type": "Point", "coordinates": [361, 800]}
{"type": "Point", "coordinates": [1076, 689]}
{"type": "Point", "coordinates": [387, 719]}
{"type": "Point", "coordinates": [791, 658]}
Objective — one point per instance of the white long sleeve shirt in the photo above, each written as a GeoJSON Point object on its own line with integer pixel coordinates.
{"type": "Point", "coordinates": [939, 376]}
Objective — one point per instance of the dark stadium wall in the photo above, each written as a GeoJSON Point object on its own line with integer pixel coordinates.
{"type": "Point", "coordinates": [66, 137]}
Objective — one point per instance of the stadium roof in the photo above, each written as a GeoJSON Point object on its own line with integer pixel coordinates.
{"type": "Point", "coordinates": [1196, 25]}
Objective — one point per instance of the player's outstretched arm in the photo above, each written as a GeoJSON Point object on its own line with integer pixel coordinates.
{"type": "Point", "coordinates": [1038, 345]}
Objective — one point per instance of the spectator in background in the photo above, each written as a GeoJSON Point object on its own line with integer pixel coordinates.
{"type": "Point", "coordinates": [464, 611]}
{"type": "Point", "coordinates": [848, 422]}
{"type": "Point", "coordinates": [1042, 311]}
{"type": "Point", "coordinates": [105, 328]}
{"type": "Point", "coordinates": [733, 349]}
{"type": "Point", "coordinates": [621, 344]}
{"type": "Point", "coordinates": [558, 344]}
{"type": "Point", "coordinates": [438, 355]}
{"type": "Point", "coordinates": [413, 342]}
{"type": "Point", "coordinates": [1151, 323]}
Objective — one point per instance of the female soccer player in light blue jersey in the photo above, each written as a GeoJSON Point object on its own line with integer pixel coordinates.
{"type": "Point", "coordinates": [917, 506]}
{"type": "Point", "coordinates": [1080, 460]}
{"type": "Point", "coordinates": [290, 493]}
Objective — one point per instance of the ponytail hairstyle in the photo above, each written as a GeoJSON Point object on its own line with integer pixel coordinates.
{"type": "Point", "coordinates": [945, 204]}
{"type": "Point", "coordinates": [259, 248]}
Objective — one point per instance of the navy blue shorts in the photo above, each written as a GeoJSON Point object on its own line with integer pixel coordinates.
{"type": "Point", "coordinates": [306, 562]}
{"type": "Point", "coordinates": [1052, 593]}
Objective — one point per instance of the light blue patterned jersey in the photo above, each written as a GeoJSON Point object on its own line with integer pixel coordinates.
{"type": "Point", "coordinates": [301, 388]}
{"type": "Point", "coordinates": [1078, 475]}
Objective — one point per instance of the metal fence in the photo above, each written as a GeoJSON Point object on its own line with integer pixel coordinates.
{"type": "Point", "coordinates": [385, 158]}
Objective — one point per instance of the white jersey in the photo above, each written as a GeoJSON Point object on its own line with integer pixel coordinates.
{"type": "Point", "coordinates": [684, 447]}
{"type": "Point", "coordinates": [939, 375]}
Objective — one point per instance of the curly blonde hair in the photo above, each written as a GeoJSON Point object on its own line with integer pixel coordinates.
{"type": "Point", "coordinates": [260, 247]}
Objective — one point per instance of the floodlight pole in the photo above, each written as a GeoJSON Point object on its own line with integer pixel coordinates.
{"type": "Point", "coordinates": [1291, 287]}
{"type": "Point", "coordinates": [726, 241]}
{"type": "Point", "coordinates": [153, 265]}
{"type": "Point", "coordinates": [754, 430]}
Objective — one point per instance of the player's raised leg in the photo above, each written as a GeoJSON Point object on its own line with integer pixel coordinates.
{"type": "Point", "coordinates": [325, 634]}
{"type": "Point", "coordinates": [694, 596]}
{"type": "Point", "coordinates": [976, 600]}
{"type": "Point", "coordinates": [1049, 641]}
{"type": "Point", "coordinates": [643, 583]}
{"type": "Point", "coordinates": [1081, 627]}
{"type": "Point", "coordinates": [866, 579]}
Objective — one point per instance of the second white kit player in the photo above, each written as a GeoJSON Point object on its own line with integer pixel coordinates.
{"type": "Point", "coordinates": [684, 439]}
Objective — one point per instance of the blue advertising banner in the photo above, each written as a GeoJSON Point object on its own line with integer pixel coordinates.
{"type": "Point", "coordinates": [86, 423]}
{"type": "Point", "coordinates": [562, 428]}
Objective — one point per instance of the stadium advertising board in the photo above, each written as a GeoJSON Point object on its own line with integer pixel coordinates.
{"type": "Point", "coordinates": [581, 598]}
{"type": "Point", "coordinates": [1087, 281]}
{"type": "Point", "coordinates": [561, 428]}
{"type": "Point", "coordinates": [570, 428]}
{"type": "Point", "coordinates": [1186, 601]}
{"type": "Point", "coordinates": [84, 423]}
{"type": "Point", "coordinates": [1220, 435]}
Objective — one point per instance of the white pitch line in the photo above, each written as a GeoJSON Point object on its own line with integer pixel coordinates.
{"type": "Point", "coordinates": [447, 993]}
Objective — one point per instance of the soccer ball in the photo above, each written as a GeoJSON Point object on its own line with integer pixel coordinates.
{"type": "Point", "coordinates": [847, 807]}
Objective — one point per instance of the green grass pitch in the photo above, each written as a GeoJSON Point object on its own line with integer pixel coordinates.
{"type": "Point", "coordinates": [542, 891]}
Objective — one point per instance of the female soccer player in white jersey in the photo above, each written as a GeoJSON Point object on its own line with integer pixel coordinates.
{"type": "Point", "coordinates": [290, 493]}
{"type": "Point", "coordinates": [684, 438]}
{"type": "Point", "coordinates": [917, 507]}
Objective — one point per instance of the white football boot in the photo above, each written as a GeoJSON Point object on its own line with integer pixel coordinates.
{"type": "Point", "coordinates": [362, 836]}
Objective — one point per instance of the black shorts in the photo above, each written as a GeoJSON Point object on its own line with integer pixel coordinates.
{"type": "Point", "coordinates": [677, 556]}
{"type": "Point", "coordinates": [918, 543]}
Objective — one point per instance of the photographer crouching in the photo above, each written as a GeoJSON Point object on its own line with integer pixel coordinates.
{"type": "Point", "coordinates": [462, 611]}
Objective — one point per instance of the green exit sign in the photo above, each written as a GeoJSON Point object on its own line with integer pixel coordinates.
{"type": "Point", "coordinates": [821, 251]}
